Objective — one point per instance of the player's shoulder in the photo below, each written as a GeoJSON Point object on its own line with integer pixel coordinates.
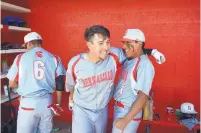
{"type": "Point", "coordinates": [116, 50]}
{"type": "Point", "coordinates": [74, 58]}
{"type": "Point", "coordinates": [145, 61]}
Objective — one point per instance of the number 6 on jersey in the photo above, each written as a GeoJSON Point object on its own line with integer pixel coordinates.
{"type": "Point", "coordinates": [39, 69]}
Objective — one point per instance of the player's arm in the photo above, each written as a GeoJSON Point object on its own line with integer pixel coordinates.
{"type": "Point", "coordinates": [119, 52]}
{"type": "Point", "coordinates": [70, 82]}
{"type": "Point", "coordinates": [145, 77]}
{"type": "Point", "coordinates": [71, 94]}
{"type": "Point", "coordinates": [160, 58]}
{"type": "Point", "coordinates": [13, 84]}
{"type": "Point", "coordinates": [59, 81]}
{"type": "Point", "coordinates": [137, 106]}
{"type": "Point", "coordinates": [59, 88]}
{"type": "Point", "coordinates": [60, 72]}
{"type": "Point", "coordinates": [13, 74]}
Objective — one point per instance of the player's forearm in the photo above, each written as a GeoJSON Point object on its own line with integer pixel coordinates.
{"type": "Point", "coordinates": [13, 84]}
{"type": "Point", "coordinates": [137, 106]}
{"type": "Point", "coordinates": [59, 96]}
{"type": "Point", "coordinates": [71, 94]}
{"type": "Point", "coordinates": [147, 51]}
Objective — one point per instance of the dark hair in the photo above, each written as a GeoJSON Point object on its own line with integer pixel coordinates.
{"type": "Point", "coordinates": [143, 44]}
{"type": "Point", "coordinates": [96, 29]}
{"type": "Point", "coordinates": [36, 42]}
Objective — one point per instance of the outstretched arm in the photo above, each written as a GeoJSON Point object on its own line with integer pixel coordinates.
{"type": "Point", "coordinates": [160, 58]}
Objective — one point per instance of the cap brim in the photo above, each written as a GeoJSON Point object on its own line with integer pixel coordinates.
{"type": "Point", "coordinates": [189, 112]}
{"type": "Point", "coordinates": [126, 40]}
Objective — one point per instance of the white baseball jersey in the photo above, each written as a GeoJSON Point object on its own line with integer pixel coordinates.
{"type": "Point", "coordinates": [35, 71]}
{"type": "Point", "coordinates": [127, 86]}
{"type": "Point", "coordinates": [93, 82]}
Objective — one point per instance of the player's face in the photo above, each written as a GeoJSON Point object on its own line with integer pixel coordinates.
{"type": "Point", "coordinates": [132, 48]}
{"type": "Point", "coordinates": [99, 46]}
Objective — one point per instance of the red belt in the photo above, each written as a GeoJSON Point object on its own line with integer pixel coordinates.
{"type": "Point", "coordinates": [28, 109]}
{"type": "Point", "coordinates": [119, 104]}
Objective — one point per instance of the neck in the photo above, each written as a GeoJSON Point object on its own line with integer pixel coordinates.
{"type": "Point", "coordinates": [139, 54]}
{"type": "Point", "coordinates": [92, 58]}
{"type": "Point", "coordinates": [35, 46]}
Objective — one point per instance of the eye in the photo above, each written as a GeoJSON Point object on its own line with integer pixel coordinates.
{"type": "Point", "coordinates": [101, 43]}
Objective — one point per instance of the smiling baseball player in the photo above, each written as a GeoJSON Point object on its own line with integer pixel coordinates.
{"type": "Point", "coordinates": [90, 77]}
{"type": "Point", "coordinates": [34, 74]}
{"type": "Point", "coordinates": [134, 84]}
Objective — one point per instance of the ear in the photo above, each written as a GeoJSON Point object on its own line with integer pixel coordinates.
{"type": "Point", "coordinates": [89, 45]}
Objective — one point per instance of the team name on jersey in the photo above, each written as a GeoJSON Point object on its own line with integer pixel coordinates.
{"type": "Point", "coordinates": [106, 76]}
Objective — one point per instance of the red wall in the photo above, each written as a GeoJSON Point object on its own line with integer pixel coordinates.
{"type": "Point", "coordinates": [172, 26]}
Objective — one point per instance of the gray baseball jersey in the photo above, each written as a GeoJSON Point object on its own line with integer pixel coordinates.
{"type": "Point", "coordinates": [35, 71]}
{"type": "Point", "coordinates": [127, 86]}
{"type": "Point", "coordinates": [93, 82]}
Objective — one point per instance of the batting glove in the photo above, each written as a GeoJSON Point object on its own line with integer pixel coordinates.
{"type": "Point", "coordinates": [160, 58]}
{"type": "Point", "coordinates": [56, 108]}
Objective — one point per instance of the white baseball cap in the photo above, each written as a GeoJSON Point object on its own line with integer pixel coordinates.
{"type": "Point", "coordinates": [188, 108]}
{"type": "Point", "coordinates": [30, 37]}
{"type": "Point", "coordinates": [134, 34]}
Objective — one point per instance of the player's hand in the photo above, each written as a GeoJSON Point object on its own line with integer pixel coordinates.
{"type": "Point", "coordinates": [56, 109]}
{"type": "Point", "coordinates": [121, 123]}
{"type": "Point", "coordinates": [160, 58]}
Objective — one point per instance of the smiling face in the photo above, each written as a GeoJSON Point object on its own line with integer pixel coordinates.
{"type": "Point", "coordinates": [99, 46]}
{"type": "Point", "coordinates": [132, 48]}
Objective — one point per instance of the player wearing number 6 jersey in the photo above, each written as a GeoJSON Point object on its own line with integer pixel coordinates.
{"type": "Point", "coordinates": [36, 73]}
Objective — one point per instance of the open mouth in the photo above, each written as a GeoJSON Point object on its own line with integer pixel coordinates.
{"type": "Point", "coordinates": [104, 53]}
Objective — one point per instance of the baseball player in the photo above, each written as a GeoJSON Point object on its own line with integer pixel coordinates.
{"type": "Point", "coordinates": [134, 84]}
{"type": "Point", "coordinates": [35, 74]}
{"type": "Point", "coordinates": [90, 80]}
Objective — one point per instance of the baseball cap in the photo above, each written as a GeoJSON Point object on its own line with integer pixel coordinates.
{"type": "Point", "coordinates": [134, 34]}
{"type": "Point", "coordinates": [30, 37]}
{"type": "Point", "coordinates": [188, 108]}
{"type": "Point", "coordinates": [9, 20]}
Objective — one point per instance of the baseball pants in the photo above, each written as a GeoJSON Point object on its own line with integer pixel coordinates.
{"type": "Point", "coordinates": [87, 121]}
{"type": "Point", "coordinates": [120, 112]}
{"type": "Point", "coordinates": [34, 116]}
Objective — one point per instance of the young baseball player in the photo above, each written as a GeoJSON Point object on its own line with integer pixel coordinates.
{"type": "Point", "coordinates": [35, 74]}
{"type": "Point", "coordinates": [134, 84]}
{"type": "Point", "coordinates": [90, 78]}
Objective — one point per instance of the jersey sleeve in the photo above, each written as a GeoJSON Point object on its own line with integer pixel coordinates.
{"type": "Point", "coordinates": [13, 71]}
{"type": "Point", "coordinates": [145, 75]}
{"type": "Point", "coordinates": [119, 53]}
{"type": "Point", "coordinates": [70, 83]}
{"type": "Point", "coordinates": [60, 68]}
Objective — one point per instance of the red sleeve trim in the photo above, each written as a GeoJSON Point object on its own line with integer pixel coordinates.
{"type": "Point", "coordinates": [73, 68]}
{"type": "Point", "coordinates": [18, 63]}
{"type": "Point", "coordinates": [135, 69]}
{"type": "Point", "coordinates": [116, 59]}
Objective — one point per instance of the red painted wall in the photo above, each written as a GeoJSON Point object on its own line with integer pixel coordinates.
{"type": "Point", "coordinates": [172, 26]}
